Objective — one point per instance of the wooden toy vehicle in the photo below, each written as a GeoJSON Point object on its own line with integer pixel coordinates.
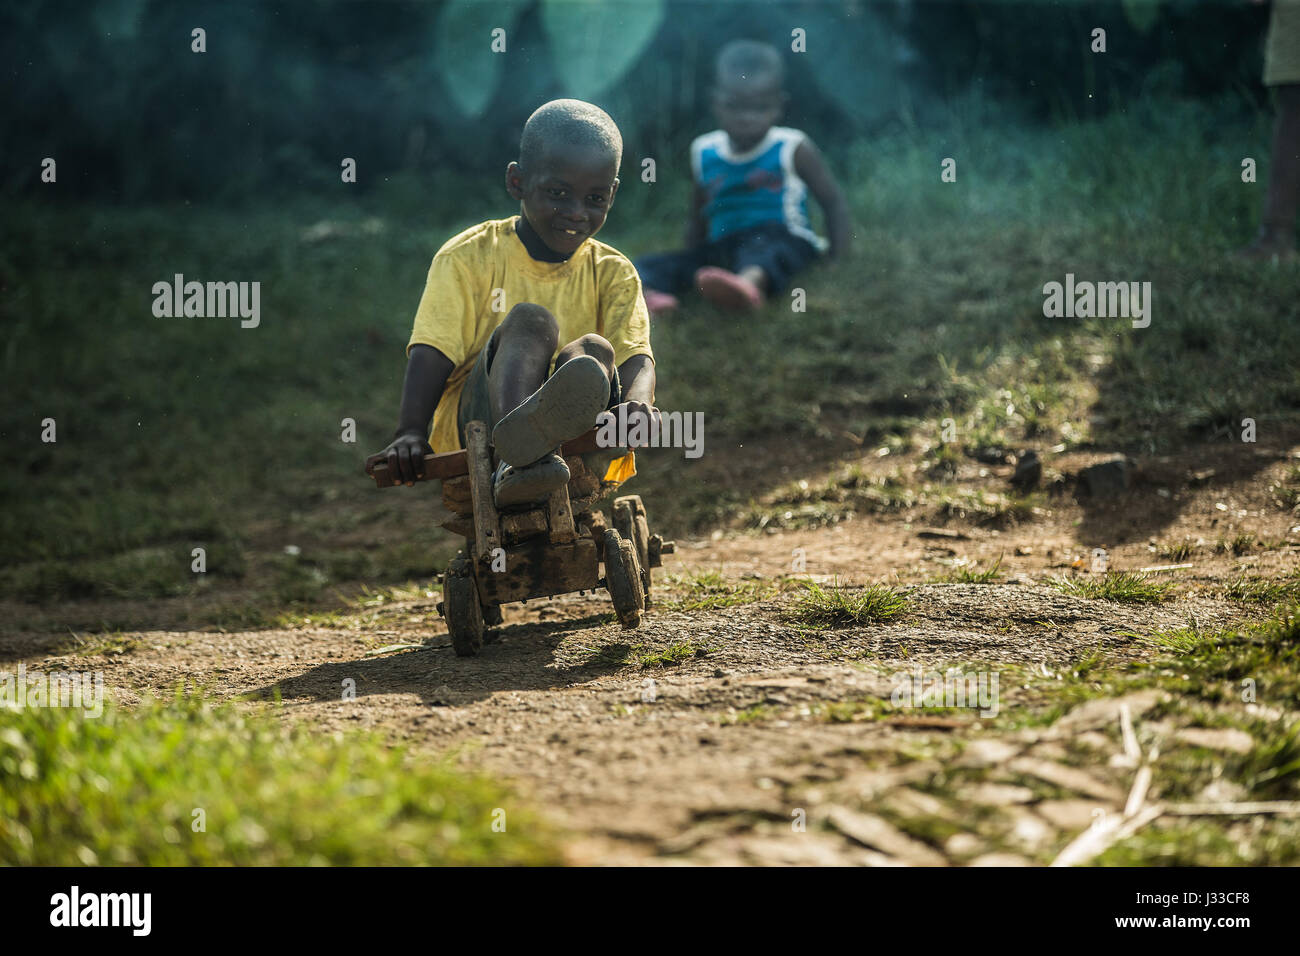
{"type": "Point", "coordinates": [557, 547]}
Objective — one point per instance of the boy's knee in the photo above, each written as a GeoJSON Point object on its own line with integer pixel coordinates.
{"type": "Point", "coordinates": [597, 346]}
{"type": "Point", "coordinates": [533, 321]}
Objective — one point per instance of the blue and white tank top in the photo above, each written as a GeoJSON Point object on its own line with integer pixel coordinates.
{"type": "Point", "coordinates": [758, 186]}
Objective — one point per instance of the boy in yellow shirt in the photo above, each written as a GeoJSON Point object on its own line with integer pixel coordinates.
{"type": "Point", "coordinates": [529, 323]}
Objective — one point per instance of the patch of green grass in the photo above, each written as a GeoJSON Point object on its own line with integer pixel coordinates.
{"type": "Point", "coordinates": [927, 828]}
{"type": "Point", "coordinates": [1086, 664]}
{"type": "Point", "coordinates": [805, 504]}
{"type": "Point", "coordinates": [236, 616]}
{"type": "Point", "coordinates": [1178, 552]}
{"type": "Point", "coordinates": [1131, 587]}
{"type": "Point", "coordinates": [944, 462]}
{"type": "Point", "coordinates": [113, 644]}
{"type": "Point", "coordinates": [1210, 678]}
{"type": "Point", "coordinates": [1286, 493]}
{"type": "Point", "coordinates": [1255, 588]}
{"type": "Point", "coordinates": [140, 573]}
{"type": "Point", "coordinates": [614, 655]}
{"type": "Point", "coordinates": [708, 591]}
{"type": "Point", "coordinates": [870, 709]}
{"type": "Point", "coordinates": [988, 508]}
{"type": "Point", "coordinates": [672, 655]}
{"type": "Point", "coordinates": [1222, 668]}
{"type": "Point", "coordinates": [188, 782]}
{"type": "Point", "coordinates": [750, 715]}
{"type": "Point", "coordinates": [835, 607]}
{"type": "Point", "coordinates": [1271, 771]}
{"type": "Point", "coordinates": [1181, 640]}
{"type": "Point", "coordinates": [1198, 841]}
{"type": "Point", "coordinates": [290, 620]}
{"type": "Point", "coordinates": [852, 711]}
{"type": "Point", "coordinates": [968, 575]}
{"type": "Point", "coordinates": [298, 582]}
{"type": "Point", "coordinates": [1238, 544]}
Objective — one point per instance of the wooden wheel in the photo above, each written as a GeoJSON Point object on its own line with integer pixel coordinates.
{"type": "Point", "coordinates": [623, 579]}
{"type": "Point", "coordinates": [630, 521]}
{"type": "Point", "coordinates": [461, 607]}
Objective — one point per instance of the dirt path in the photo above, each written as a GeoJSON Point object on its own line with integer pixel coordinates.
{"type": "Point", "coordinates": [766, 742]}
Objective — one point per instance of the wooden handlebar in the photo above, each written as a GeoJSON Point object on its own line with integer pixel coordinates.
{"type": "Point", "coordinates": [453, 464]}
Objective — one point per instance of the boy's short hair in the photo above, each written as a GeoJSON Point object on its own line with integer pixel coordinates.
{"type": "Point", "coordinates": [748, 59]}
{"type": "Point", "coordinates": [574, 122]}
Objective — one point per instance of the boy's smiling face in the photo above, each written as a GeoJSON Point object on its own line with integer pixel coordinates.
{"type": "Point", "coordinates": [747, 107]}
{"type": "Point", "coordinates": [567, 196]}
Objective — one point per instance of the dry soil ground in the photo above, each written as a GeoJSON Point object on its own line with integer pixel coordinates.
{"type": "Point", "coordinates": [767, 742]}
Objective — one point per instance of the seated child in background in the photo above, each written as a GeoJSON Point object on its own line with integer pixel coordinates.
{"type": "Point", "coordinates": [749, 231]}
{"type": "Point", "coordinates": [528, 323]}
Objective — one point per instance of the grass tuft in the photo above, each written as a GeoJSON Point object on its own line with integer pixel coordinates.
{"type": "Point", "coordinates": [824, 608]}
{"type": "Point", "coordinates": [968, 575]}
{"type": "Point", "coordinates": [672, 655]}
{"type": "Point", "coordinates": [1130, 587]}
{"type": "Point", "coordinates": [1264, 590]}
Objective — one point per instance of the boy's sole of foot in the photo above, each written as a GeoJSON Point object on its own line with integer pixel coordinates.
{"type": "Point", "coordinates": [530, 484]}
{"type": "Point", "coordinates": [562, 409]}
{"type": "Point", "coordinates": [727, 290]}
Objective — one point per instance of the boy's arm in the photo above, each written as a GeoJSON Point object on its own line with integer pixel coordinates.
{"type": "Point", "coordinates": [427, 370]}
{"type": "Point", "coordinates": [812, 169]}
{"type": "Point", "coordinates": [697, 230]}
{"type": "Point", "coordinates": [637, 376]}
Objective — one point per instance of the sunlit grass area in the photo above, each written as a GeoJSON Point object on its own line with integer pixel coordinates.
{"type": "Point", "coordinates": [175, 434]}
{"type": "Point", "coordinates": [187, 782]}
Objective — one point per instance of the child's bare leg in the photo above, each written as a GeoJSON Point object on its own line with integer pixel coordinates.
{"type": "Point", "coordinates": [597, 346]}
{"type": "Point", "coordinates": [1284, 168]}
{"type": "Point", "coordinates": [538, 414]}
{"type": "Point", "coordinates": [1277, 227]}
{"type": "Point", "coordinates": [756, 275]}
{"type": "Point", "coordinates": [525, 343]}
{"type": "Point", "coordinates": [735, 291]}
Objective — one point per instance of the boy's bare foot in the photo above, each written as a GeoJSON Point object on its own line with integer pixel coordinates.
{"type": "Point", "coordinates": [727, 290]}
{"type": "Point", "coordinates": [530, 484]}
{"type": "Point", "coordinates": [563, 408]}
{"type": "Point", "coordinates": [660, 303]}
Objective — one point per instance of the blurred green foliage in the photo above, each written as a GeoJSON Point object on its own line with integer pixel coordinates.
{"type": "Point", "coordinates": [472, 70]}
{"type": "Point", "coordinates": [595, 44]}
{"type": "Point", "coordinates": [112, 90]}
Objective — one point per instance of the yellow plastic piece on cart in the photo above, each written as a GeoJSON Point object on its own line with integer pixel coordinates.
{"type": "Point", "coordinates": [621, 469]}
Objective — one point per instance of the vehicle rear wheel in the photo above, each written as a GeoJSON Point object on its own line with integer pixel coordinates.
{"type": "Point", "coordinates": [623, 579]}
{"type": "Point", "coordinates": [461, 607]}
{"type": "Point", "coordinates": [630, 520]}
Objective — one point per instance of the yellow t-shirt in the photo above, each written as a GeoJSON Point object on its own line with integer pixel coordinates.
{"type": "Point", "coordinates": [478, 276]}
